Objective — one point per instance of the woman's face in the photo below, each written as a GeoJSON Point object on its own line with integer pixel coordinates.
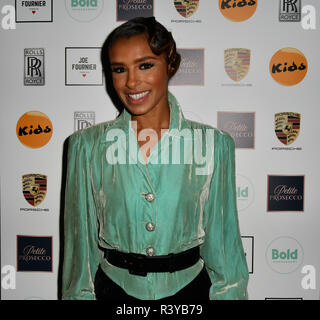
{"type": "Point", "coordinates": [139, 76]}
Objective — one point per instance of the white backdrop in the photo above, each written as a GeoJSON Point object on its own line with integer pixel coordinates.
{"type": "Point", "coordinates": [206, 29]}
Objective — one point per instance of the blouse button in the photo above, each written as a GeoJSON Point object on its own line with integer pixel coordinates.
{"type": "Point", "coordinates": [150, 251]}
{"type": "Point", "coordinates": [150, 226]}
{"type": "Point", "coordinates": [150, 197]}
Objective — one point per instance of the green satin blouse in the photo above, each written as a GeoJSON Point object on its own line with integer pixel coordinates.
{"type": "Point", "coordinates": [192, 203]}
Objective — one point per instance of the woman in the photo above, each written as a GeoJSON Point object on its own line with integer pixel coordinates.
{"type": "Point", "coordinates": [145, 218]}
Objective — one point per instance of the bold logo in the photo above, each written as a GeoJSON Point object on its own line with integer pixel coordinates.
{"type": "Point", "coordinates": [84, 10]}
{"type": "Point", "coordinates": [191, 70]}
{"type": "Point", "coordinates": [240, 125]}
{"type": "Point", "coordinates": [34, 188]}
{"type": "Point", "coordinates": [34, 253]}
{"type": "Point", "coordinates": [290, 10]}
{"type": "Point", "coordinates": [129, 9]}
{"type": "Point", "coordinates": [83, 120]}
{"type": "Point", "coordinates": [287, 126]}
{"type": "Point", "coordinates": [83, 67]}
{"type": "Point", "coordinates": [33, 67]}
{"type": "Point", "coordinates": [186, 7]}
{"type": "Point", "coordinates": [284, 255]}
{"type": "Point", "coordinates": [245, 192]}
{"type": "Point", "coordinates": [34, 11]}
{"type": "Point", "coordinates": [34, 129]}
{"type": "Point", "coordinates": [288, 66]}
{"type": "Point", "coordinates": [238, 10]}
{"type": "Point", "coordinates": [236, 63]}
{"type": "Point", "coordinates": [285, 193]}
{"type": "Point", "coordinates": [248, 247]}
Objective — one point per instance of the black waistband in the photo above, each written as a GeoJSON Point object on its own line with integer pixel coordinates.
{"type": "Point", "coordinates": [140, 264]}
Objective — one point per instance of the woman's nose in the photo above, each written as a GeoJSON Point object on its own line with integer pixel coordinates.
{"type": "Point", "coordinates": [132, 79]}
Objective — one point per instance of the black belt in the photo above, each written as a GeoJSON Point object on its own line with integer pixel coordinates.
{"type": "Point", "coordinates": [140, 264]}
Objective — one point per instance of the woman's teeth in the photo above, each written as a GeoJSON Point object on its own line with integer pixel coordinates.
{"type": "Point", "coordinates": [138, 95]}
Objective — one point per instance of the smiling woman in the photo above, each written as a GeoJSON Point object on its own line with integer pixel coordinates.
{"type": "Point", "coordinates": [158, 230]}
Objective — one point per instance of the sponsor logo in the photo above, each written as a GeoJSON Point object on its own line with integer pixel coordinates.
{"type": "Point", "coordinates": [84, 10]}
{"type": "Point", "coordinates": [287, 126]}
{"type": "Point", "coordinates": [285, 193]}
{"type": "Point", "coordinates": [34, 129]}
{"type": "Point", "coordinates": [288, 66]}
{"type": "Point", "coordinates": [34, 188]}
{"type": "Point", "coordinates": [237, 63]}
{"type": "Point", "coordinates": [34, 253]}
{"type": "Point", "coordinates": [34, 11]}
{"type": "Point", "coordinates": [238, 10]}
{"type": "Point", "coordinates": [248, 247]}
{"type": "Point", "coordinates": [240, 125]}
{"type": "Point", "coordinates": [186, 7]}
{"type": "Point", "coordinates": [129, 9]}
{"type": "Point", "coordinates": [83, 120]}
{"type": "Point", "coordinates": [34, 67]}
{"type": "Point", "coordinates": [191, 70]}
{"type": "Point", "coordinates": [245, 192]}
{"type": "Point", "coordinates": [83, 67]}
{"type": "Point", "coordinates": [290, 10]}
{"type": "Point", "coordinates": [284, 255]}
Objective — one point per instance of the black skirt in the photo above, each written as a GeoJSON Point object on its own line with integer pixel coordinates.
{"type": "Point", "coordinates": [197, 289]}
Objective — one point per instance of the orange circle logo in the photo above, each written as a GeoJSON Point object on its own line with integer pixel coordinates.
{"type": "Point", "coordinates": [288, 66]}
{"type": "Point", "coordinates": [238, 10]}
{"type": "Point", "coordinates": [34, 129]}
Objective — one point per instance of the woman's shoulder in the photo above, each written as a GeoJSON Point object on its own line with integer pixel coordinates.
{"type": "Point", "coordinates": [92, 133]}
{"type": "Point", "coordinates": [218, 133]}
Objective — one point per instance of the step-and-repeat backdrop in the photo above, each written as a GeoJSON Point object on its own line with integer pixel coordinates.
{"type": "Point", "coordinates": [249, 67]}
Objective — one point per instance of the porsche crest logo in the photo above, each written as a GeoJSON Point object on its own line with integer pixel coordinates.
{"type": "Point", "coordinates": [237, 63]}
{"type": "Point", "coordinates": [186, 7]}
{"type": "Point", "coordinates": [287, 126]}
{"type": "Point", "coordinates": [34, 188]}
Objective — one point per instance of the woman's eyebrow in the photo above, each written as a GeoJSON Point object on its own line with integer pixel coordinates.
{"type": "Point", "coordinates": [135, 61]}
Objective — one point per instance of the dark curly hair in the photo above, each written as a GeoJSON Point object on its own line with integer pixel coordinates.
{"type": "Point", "coordinates": [160, 41]}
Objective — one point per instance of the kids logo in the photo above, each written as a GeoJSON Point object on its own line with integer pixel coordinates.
{"type": "Point", "coordinates": [34, 188]}
{"type": "Point", "coordinates": [284, 255]}
{"type": "Point", "coordinates": [186, 7]}
{"type": "Point", "coordinates": [84, 10]}
{"type": "Point", "coordinates": [238, 10]}
{"type": "Point", "coordinates": [237, 63]}
{"type": "Point", "coordinates": [34, 129]}
{"type": "Point", "coordinates": [288, 66]}
{"type": "Point", "coordinates": [287, 126]}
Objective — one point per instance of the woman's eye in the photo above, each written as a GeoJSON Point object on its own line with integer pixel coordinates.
{"type": "Point", "coordinates": [118, 70]}
{"type": "Point", "coordinates": [146, 65]}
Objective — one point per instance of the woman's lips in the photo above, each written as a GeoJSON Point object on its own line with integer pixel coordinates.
{"type": "Point", "coordinates": [137, 98]}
